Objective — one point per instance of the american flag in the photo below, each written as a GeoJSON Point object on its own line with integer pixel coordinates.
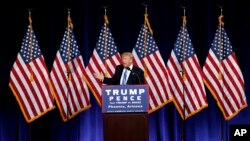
{"type": "Point", "coordinates": [186, 78]}
{"type": "Point", "coordinates": [104, 59]}
{"type": "Point", "coordinates": [147, 56]}
{"type": "Point", "coordinates": [29, 79]}
{"type": "Point", "coordinates": [71, 91]}
{"type": "Point", "coordinates": [223, 76]}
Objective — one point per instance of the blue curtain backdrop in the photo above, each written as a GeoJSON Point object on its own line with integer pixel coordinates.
{"type": "Point", "coordinates": [126, 18]}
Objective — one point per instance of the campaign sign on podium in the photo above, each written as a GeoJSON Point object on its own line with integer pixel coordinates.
{"type": "Point", "coordinates": [124, 98]}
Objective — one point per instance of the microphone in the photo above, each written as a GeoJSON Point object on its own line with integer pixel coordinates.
{"type": "Point", "coordinates": [135, 74]}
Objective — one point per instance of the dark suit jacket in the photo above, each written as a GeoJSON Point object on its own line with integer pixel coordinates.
{"type": "Point", "coordinates": [136, 76]}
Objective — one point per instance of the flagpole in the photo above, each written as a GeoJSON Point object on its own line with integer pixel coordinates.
{"type": "Point", "coordinates": [221, 23]}
{"type": "Point", "coordinates": [145, 36]}
{"type": "Point", "coordinates": [183, 76]}
{"type": "Point", "coordinates": [146, 23]}
{"type": "Point", "coordinates": [106, 22]}
{"type": "Point", "coordinates": [69, 73]}
{"type": "Point", "coordinates": [183, 119]}
{"type": "Point", "coordinates": [30, 44]}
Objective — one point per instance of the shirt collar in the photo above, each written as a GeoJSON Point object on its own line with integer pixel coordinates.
{"type": "Point", "coordinates": [131, 66]}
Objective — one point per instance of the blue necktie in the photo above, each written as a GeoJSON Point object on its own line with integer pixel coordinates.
{"type": "Point", "coordinates": [124, 78]}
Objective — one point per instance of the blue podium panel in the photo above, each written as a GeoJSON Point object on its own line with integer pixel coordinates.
{"type": "Point", "coordinates": [124, 98]}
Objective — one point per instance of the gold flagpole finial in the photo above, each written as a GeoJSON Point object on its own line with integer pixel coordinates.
{"type": "Point", "coordinates": [220, 17]}
{"type": "Point", "coordinates": [69, 19]}
{"type": "Point", "coordinates": [30, 20]}
{"type": "Point", "coordinates": [184, 18]}
{"type": "Point", "coordinates": [146, 21]}
{"type": "Point", "coordinates": [106, 21]}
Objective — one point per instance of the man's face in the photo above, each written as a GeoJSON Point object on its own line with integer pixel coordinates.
{"type": "Point", "coordinates": [126, 61]}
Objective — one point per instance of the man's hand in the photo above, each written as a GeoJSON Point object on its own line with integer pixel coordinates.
{"type": "Point", "coordinates": [99, 76]}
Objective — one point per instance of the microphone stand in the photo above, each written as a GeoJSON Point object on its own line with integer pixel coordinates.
{"type": "Point", "coordinates": [183, 97]}
{"type": "Point", "coordinates": [68, 108]}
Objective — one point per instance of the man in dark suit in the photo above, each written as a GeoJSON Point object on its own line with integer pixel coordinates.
{"type": "Point", "coordinates": [126, 73]}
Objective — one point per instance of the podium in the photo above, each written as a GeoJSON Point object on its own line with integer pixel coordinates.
{"type": "Point", "coordinates": [125, 112]}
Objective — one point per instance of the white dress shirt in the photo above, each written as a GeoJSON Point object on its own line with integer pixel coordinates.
{"type": "Point", "coordinates": [128, 73]}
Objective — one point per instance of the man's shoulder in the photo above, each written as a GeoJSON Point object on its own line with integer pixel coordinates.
{"type": "Point", "coordinates": [119, 67]}
{"type": "Point", "coordinates": [138, 69]}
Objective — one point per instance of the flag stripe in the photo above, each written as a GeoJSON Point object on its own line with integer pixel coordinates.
{"type": "Point", "coordinates": [96, 84]}
{"type": "Point", "coordinates": [195, 80]}
{"type": "Point", "coordinates": [104, 59]}
{"type": "Point", "coordinates": [151, 85]}
{"type": "Point", "coordinates": [30, 87]}
{"type": "Point", "coordinates": [40, 84]}
{"type": "Point", "coordinates": [186, 77]}
{"type": "Point", "coordinates": [214, 84]}
{"type": "Point", "coordinates": [152, 101]}
{"type": "Point", "coordinates": [223, 76]}
{"type": "Point", "coordinates": [58, 76]}
{"type": "Point", "coordinates": [72, 95]}
{"type": "Point", "coordinates": [175, 81]}
{"type": "Point", "coordinates": [147, 57]}
{"type": "Point", "coordinates": [29, 79]}
{"type": "Point", "coordinates": [82, 85]}
{"type": "Point", "coordinates": [47, 96]}
{"type": "Point", "coordinates": [154, 59]}
{"type": "Point", "coordinates": [157, 86]}
{"type": "Point", "coordinates": [22, 95]}
{"type": "Point", "coordinates": [230, 85]}
{"type": "Point", "coordinates": [221, 97]}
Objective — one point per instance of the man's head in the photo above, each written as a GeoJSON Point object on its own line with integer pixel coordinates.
{"type": "Point", "coordinates": [127, 59]}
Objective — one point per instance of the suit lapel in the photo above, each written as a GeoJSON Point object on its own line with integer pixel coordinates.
{"type": "Point", "coordinates": [130, 77]}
